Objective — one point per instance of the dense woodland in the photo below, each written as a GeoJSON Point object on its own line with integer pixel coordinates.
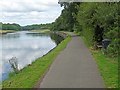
{"type": "Point", "coordinates": [94, 21]}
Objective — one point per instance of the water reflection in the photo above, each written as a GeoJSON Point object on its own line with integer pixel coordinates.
{"type": "Point", "coordinates": [26, 46]}
{"type": "Point", "coordinates": [10, 35]}
{"type": "Point", "coordinates": [37, 34]}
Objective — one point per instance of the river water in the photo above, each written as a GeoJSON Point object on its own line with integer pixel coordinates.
{"type": "Point", "coordinates": [26, 46]}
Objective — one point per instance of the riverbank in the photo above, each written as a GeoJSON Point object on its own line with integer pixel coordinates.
{"type": "Point", "coordinates": [42, 31]}
{"type": "Point", "coordinates": [108, 67]}
{"type": "Point", "coordinates": [6, 31]}
{"type": "Point", "coordinates": [29, 76]}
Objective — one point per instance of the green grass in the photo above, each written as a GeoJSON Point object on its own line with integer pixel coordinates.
{"type": "Point", "coordinates": [107, 66]}
{"type": "Point", "coordinates": [29, 76]}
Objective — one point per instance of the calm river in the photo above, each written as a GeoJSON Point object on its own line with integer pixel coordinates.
{"type": "Point", "coordinates": [26, 46]}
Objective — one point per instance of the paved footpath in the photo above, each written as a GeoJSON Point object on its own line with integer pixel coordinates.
{"type": "Point", "coordinates": [74, 67]}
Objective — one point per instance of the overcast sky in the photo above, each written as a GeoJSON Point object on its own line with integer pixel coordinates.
{"type": "Point", "coordinates": [26, 12]}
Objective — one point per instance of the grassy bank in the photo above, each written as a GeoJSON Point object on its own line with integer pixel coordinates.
{"type": "Point", "coordinates": [41, 31]}
{"type": "Point", "coordinates": [6, 31]}
{"type": "Point", "coordinates": [28, 77]}
{"type": "Point", "coordinates": [107, 66]}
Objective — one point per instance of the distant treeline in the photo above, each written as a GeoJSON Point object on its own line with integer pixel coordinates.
{"type": "Point", "coordinates": [8, 26]}
{"type": "Point", "coordinates": [36, 27]}
{"type": "Point", "coordinates": [94, 21]}
{"type": "Point", "coordinates": [17, 27]}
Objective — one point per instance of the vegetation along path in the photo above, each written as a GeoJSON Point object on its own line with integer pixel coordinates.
{"type": "Point", "coordinates": [74, 67]}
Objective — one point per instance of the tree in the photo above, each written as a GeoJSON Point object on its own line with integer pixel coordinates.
{"type": "Point", "coordinates": [95, 21]}
{"type": "Point", "coordinates": [11, 26]}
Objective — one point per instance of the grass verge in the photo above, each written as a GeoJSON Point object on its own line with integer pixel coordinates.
{"type": "Point", "coordinates": [29, 76]}
{"type": "Point", "coordinates": [107, 66]}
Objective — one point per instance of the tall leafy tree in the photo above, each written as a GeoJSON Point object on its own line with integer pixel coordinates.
{"type": "Point", "coordinates": [95, 21]}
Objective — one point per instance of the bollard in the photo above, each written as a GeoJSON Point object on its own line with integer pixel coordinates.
{"type": "Point", "coordinates": [105, 43]}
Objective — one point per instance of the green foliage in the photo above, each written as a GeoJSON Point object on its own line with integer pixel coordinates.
{"type": "Point", "coordinates": [88, 33]}
{"type": "Point", "coordinates": [66, 21]}
{"type": "Point", "coordinates": [17, 27]}
{"type": "Point", "coordinates": [103, 19]}
{"type": "Point", "coordinates": [37, 27]}
{"type": "Point", "coordinates": [0, 25]}
{"type": "Point", "coordinates": [13, 26]}
{"type": "Point", "coordinates": [57, 38]}
{"type": "Point", "coordinates": [95, 21]}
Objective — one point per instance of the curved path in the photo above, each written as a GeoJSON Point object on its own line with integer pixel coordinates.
{"type": "Point", "coordinates": [74, 67]}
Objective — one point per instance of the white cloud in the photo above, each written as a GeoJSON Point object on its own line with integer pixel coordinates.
{"type": "Point", "coordinates": [29, 11]}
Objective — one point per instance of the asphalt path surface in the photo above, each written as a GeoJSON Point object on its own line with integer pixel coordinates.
{"type": "Point", "coordinates": [74, 67]}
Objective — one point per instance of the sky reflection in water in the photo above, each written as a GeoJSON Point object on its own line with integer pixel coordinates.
{"type": "Point", "coordinates": [26, 47]}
